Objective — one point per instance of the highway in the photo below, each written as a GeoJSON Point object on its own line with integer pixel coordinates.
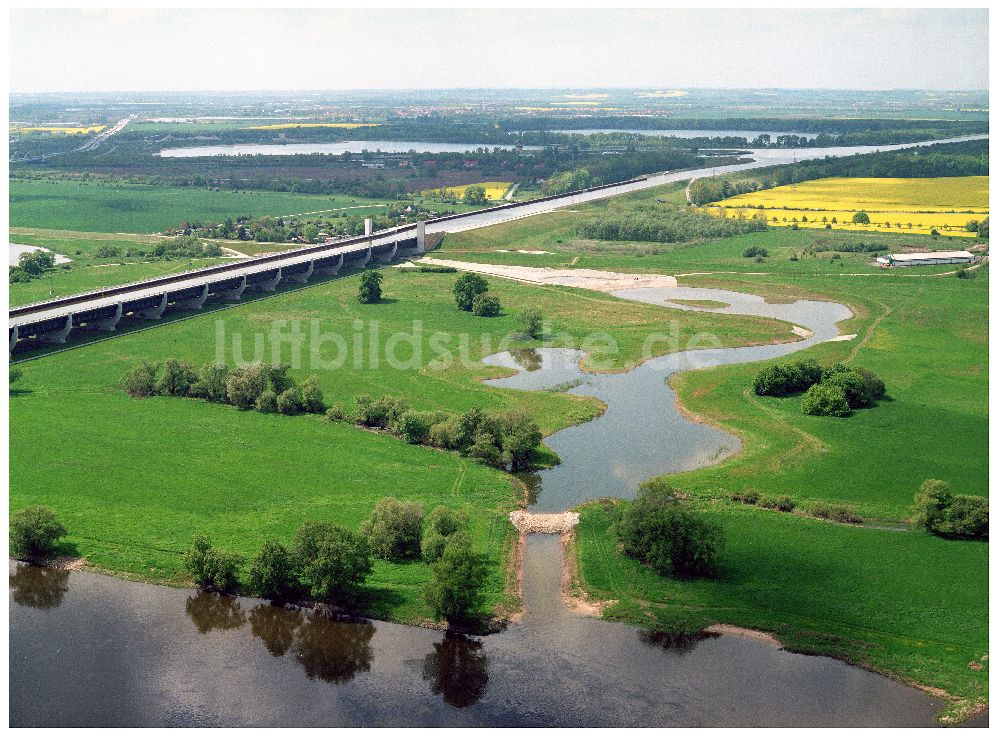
{"type": "Point", "coordinates": [53, 320]}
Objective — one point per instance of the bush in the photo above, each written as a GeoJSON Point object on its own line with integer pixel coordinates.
{"type": "Point", "coordinates": [34, 532]}
{"type": "Point", "coordinates": [458, 576]}
{"type": "Point", "coordinates": [784, 379]}
{"type": "Point", "coordinates": [332, 561]}
{"type": "Point", "coordinates": [521, 438]}
{"type": "Point", "coordinates": [291, 402]}
{"type": "Point", "coordinates": [852, 387]}
{"type": "Point", "coordinates": [312, 395]}
{"type": "Point", "coordinates": [267, 402]}
{"type": "Point", "coordinates": [245, 384]}
{"type": "Point", "coordinates": [278, 379]}
{"type": "Point", "coordinates": [755, 251]}
{"type": "Point", "coordinates": [415, 426]}
{"type": "Point", "coordinates": [466, 288]}
{"type": "Point", "coordinates": [176, 378]}
{"type": "Point", "coordinates": [658, 530]}
{"type": "Point", "coordinates": [336, 412]}
{"type": "Point", "coordinates": [748, 496]}
{"type": "Point", "coordinates": [825, 400]}
{"type": "Point", "coordinates": [965, 274]}
{"type": "Point", "coordinates": [940, 512]}
{"type": "Point", "coordinates": [485, 448]}
{"type": "Point", "coordinates": [272, 572]}
{"type": "Point", "coordinates": [783, 503]}
{"type": "Point", "coordinates": [530, 322]}
{"type": "Point", "coordinates": [382, 413]}
{"type": "Point", "coordinates": [486, 305]}
{"type": "Point", "coordinates": [13, 375]}
{"type": "Point", "coordinates": [393, 529]}
{"type": "Point", "coordinates": [441, 524]}
{"type": "Point", "coordinates": [835, 512]}
{"type": "Point", "coordinates": [444, 435]}
{"type": "Point", "coordinates": [210, 567]}
{"type": "Point", "coordinates": [211, 383]}
{"type": "Point", "coordinates": [873, 384]}
{"type": "Point", "coordinates": [140, 381]}
{"type": "Point", "coordinates": [370, 289]}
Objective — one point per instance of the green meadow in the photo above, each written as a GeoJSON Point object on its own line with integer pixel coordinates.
{"type": "Point", "coordinates": [134, 479]}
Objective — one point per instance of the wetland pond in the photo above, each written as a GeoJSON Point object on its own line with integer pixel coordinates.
{"type": "Point", "coordinates": [89, 650]}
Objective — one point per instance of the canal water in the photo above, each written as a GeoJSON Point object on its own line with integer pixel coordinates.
{"type": "Point", "coordinates": [89, 650]}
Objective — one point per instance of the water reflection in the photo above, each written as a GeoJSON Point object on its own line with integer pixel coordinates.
{"type": "Point", "coordinates": [333, 651]}
{"type": "Point", "coordinates": [38, 587]}
{"type": "Point", "coordinates": [209, 611]}
{"type": "Point", "coordinates": [457, 670]}
{"type": "Point", "coordinates": [529, 359]}
{"type": "Point", "coordinates": [275, 626]}
{"type": "Point", "coordinates": [532, 485]}
{"type": "Point", "coordinates": [673, 641]}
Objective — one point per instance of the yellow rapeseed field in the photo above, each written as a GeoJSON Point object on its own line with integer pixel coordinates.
{"type": "Point", "coordinates": [494, 190]}
{"type": "Point", "coordinates": [69, 130]}
{"type": "Point", "coordinates": [896, 205]}
{"type": "Point", "coordinates": [271, 126]}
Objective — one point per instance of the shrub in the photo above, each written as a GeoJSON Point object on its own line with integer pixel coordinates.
{"type": "Point", "coordinates": [245, 384]}
{"type": "Point", "coordinates": [196, 556]}
{"type": "Point", "coordinates": [484, 448]}
{"type": "Point", "coordinates": [466, 288]}
{"type": "Point", "coordinates": [783, 503]}
{"type": "Point", "coordinates": [381, 413]}
{"type": "Point", "coordinates": [332, 561]}
{"type": "Point", "coordinates": [415, 426]}
{"type": "Point", "coordinates": [441, 524]}
{"type": "Point", "coordinates": [530, 322]}
{"type": "Point", "coordinates": [931, 503]}
{"type": "Point", "coordinates": [176, 378]}
{"type": "Point", "coordinates": [312, 395]}
{"type": "Point", "coordinates": [467, 427]}
{"type": "Point", "coordinates": [278, 379]}
{"type": "Point", "coordinates": [34, 532]}
{"type": "Point", "coordinates": [267, 402]}
{"type": "Point", "coordinates": [755, 251]}
{"type": "Point", "coordinates": [748, 496]}
{"type": "Point", "coordinates": [825, 400]}
{"type": "Point", "coordinates": [521, 438]}
{"type": "Point", "coordinates": [852, 387]}
{"type": "Point", "coordinates": [486, 305]}
{"type": "Point", "coordinates": [393, 529]}
{"type": "Point", "coordinates": [370, 289]}
{"type": "Point", "coordinates": [221, 570]}
{"type": "Point", "coordinates": [336, 412]}
{"type": "Point", "coordinates": [13, 375]}
{"type": "Point", "coordinates": [444, 435]}
{"type": "Point", "coordinates": [458, 577]}
{"type": "Point", "coordinates": [965, 274]}
{"type": "Point", "coordinates": [272, 572]}
{"type": "Point", "coordinates": [658, 530]}
{"type": "Point", "coordinates": [834, 512]}
{"type": "Point", "coordinates": [873, 384]}
{"type": "Point", "coordinates": [784, 379]}
{"type": "Point", "coordinates": [140, 381]}
{"type": "Point", "coordinates": [211, 383]}
{"type": "Point", "coordinates": [969, 517]}
{"type": "Point", "coordinates": [291, 402]}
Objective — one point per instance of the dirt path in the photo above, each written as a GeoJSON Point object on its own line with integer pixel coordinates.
{"type": "Point", "coordinates": [590, 279]}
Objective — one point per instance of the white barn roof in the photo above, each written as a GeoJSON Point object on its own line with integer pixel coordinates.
{"type": "Point", "coordinates": [931, 255]}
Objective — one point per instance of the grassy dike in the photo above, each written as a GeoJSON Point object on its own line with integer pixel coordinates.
{"type": "Point", "coordinates": [133, 479]}
{"type": "Point", "coordinates": [898, 601]}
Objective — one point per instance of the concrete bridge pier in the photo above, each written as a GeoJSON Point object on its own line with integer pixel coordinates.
{"type": "Point", "coordinates": [330, 268]}
{"type": "Point", "coordinates": [268, 286]}
{"type": "Point", "coordinates": [421, 235]}
{"type": "Point", "coordinates": [359, 261]}
{"type": "Point", "coordinates": [12, 335]}
{"type": "Point", "coordinates": [154, 313]}
{"type": "Point", "coordinates": [108, 323]}
{"type": "Point", "coordinates": [302, 277]}
{"type": "Point", "coordinates": [386, 257]}
{"type": "Point", "coordinates": [58, 336]}
{"type": "Point", "coordinates": [195, 303]}
{"type": "Point", "coordinates": [233, 294]}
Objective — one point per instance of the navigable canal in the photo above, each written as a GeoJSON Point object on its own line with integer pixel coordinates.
{"type": "Point", "coordinates": [92, 650]}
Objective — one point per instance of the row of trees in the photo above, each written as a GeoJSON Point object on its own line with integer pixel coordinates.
{"type": "Point", "coordinates": [257, 386]}
{"type": "Point", "coordinates": [656, 223]}
{"type": "Point", "coordinates": [330, 564]}
{"type": "Point", "coordinates": [961, 159]}
{"type": "Point", "coordinates": [503, 439]}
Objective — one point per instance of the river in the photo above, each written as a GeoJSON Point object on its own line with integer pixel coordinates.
{"type": "Point", "coordinates": [335, 147]}
{"type": "Point", "coordinates": [89, 650]}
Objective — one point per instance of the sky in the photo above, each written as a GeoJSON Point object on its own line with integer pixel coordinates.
{"type": "Point", "coordinates": [91, 50]}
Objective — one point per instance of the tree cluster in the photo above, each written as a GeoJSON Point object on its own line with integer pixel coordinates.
{"type": "Point", "coordinates": [665, 225]}
{"type": "Point", "coordinates": [257, 386]}
{"type": "Point", "coordinates": [503, 440]}
{"type": "Point", "coordinates": [472, 294]}
{"type": "Point", "coordinates": [662, 532]}
{"type": "Point", "coordinates": [941, 512]}
{"type": "Point", "coordinates": [836, 390]}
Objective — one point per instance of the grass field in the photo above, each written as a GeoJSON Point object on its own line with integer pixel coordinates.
{"type": "Point", "coordinates": [245, 476]}
{"type": "Point", "coordinates": [494, 190]}
{"type": "Point", "coordinates": [902, 602]}
{"type": "Point", "coordinates": [82, 206]}
{"type": "Point", "coordinates": [87, 271]}
{"type": "Point", "coordinates": [894, 205]}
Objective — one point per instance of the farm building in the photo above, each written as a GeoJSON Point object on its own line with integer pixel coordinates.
{"type": "Point", "coordinates": [931, 257]}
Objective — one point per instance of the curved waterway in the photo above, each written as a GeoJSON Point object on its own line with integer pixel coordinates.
{"type": "Point", "coordinates": [89, 650]}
